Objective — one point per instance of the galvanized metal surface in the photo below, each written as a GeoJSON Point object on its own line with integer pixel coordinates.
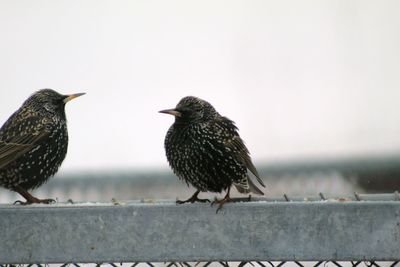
{"type": "Point", "coordinates": [259, 230]}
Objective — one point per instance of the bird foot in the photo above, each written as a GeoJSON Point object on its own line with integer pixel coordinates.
{"type": "Point", "coordinates": [35, 200]}
{"type": "Point", "coordinates": [221, 202]}
{"type": "Point", "coordinates": [29, 198]}
{"type": "Point", "coordinates": [192, 200]}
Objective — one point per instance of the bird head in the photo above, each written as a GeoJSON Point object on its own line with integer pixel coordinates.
{"type": "Point", "coordinates": [192, 110]}
{"type": "Point", "coordinates": [49, 100]}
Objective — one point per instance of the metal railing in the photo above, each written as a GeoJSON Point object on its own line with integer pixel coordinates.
{"type": "Point", "coordinates": [320, 228]}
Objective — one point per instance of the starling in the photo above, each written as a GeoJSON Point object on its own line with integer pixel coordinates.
{"type": "Point", "coordinates": [204, 149]}
{"type": "Point", "coordinates": [33, 143]}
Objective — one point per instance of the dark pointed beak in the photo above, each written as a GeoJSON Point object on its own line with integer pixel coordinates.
{"type": "Point", "coordinates": [172, 112]}
{"type": "Point", "coordinates": [70, 97]}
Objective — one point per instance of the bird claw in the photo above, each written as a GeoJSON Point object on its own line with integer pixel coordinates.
{"type": "Point", "coordinates": [47, 201]}
{"type": "Point", "coordinates": [36, 201]}
{"type": "Point", "coordinates": [219, 208]}
{"type": "Point", "coordinates": [216, 200]}
{"type": "Point", "coordinates": [192, 200]}
{"type": "Point", "coordinates": [221, 202]}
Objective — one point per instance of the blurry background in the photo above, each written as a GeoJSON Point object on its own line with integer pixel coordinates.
{"type": "Point", "coordinates": [312, 85]}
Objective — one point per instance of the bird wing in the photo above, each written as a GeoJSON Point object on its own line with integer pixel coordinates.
{"type": "Point", "coordinates": [10, 151]}
{"type": "Point", "coordinates": [17, 138]}
{"type": "Point", "coordinates": [235, 143]}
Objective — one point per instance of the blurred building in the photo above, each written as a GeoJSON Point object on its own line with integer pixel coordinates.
{"type": "Point", "coordinates": [332, 178]}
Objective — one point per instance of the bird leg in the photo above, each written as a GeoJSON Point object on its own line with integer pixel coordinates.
{"type": "Point", "coordinates": [193, 199]}
{"type": "Point", "coordinates": [29, 198]}
{"type": "Point", "coordinates": [221, 202]}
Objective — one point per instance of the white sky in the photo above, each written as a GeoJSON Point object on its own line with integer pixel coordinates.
{"type": "Point", "coordinates": [300, 78]}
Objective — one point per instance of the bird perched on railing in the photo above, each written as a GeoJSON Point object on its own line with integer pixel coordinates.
{"type": "Point", "coordinates": [204, 149]}
{"type": "Point", "coordinates": [33, 143]}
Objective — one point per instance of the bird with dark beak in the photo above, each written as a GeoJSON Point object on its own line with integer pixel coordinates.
{"type": "Point", "coordinates": [204, 149]}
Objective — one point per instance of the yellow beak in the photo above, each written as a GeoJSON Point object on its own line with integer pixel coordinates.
{"type": "Point", "coordinates": [70, 97]}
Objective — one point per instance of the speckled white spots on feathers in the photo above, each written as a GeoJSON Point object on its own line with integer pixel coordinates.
{"type": "Point", "coordinates": [43, 132]}
{"type": "Point", "coordinates": [204, 149]}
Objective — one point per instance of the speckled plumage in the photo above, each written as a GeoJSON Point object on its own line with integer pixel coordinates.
{"type": "Point", "coordinates": [34, 142]}
{"type": "Point", "coordinates": [204, 149]}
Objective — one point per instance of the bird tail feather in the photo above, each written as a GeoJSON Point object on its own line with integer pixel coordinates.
{"type": "Point", "coordinates": [254, 188]}
{"type": "Point", "coordinates": [249, 188]}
